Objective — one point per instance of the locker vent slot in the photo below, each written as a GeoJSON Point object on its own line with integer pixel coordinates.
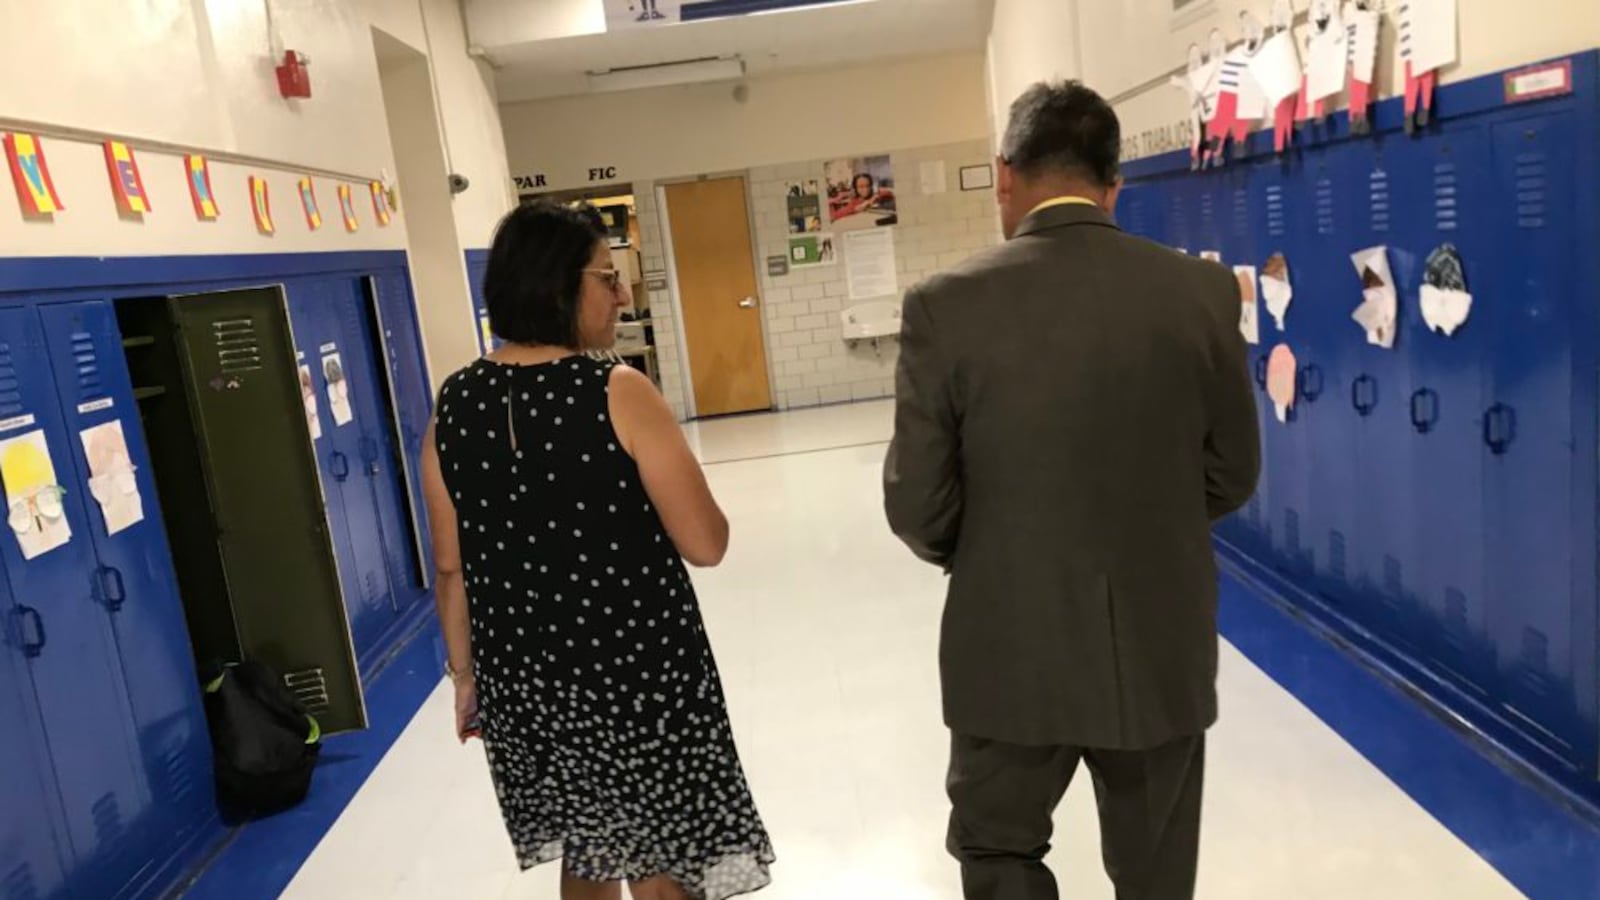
{"type": "Point", "coordinates": [19, 884]}
{"type": "Point", "coordinates": [1176, 205]}
{"type": "Point", "coordinates": [1291, 531]}
{"type": "Point", "coordinates": [87, 363]}
{"type": "Point", "coordinates": [1324, 206]}
{"type": "Point", "coordinates": [1276, 222]}
{"type": "Point", "coordinates": [1530, 190]}
{"type": "Point", "coordinates": [1393, 584]}
{"type": "Point", "coordinates": [1336, 554]}
{"type": "Point", "coordinates": [372, 591]}
{"type": "Point", "coordinates": [311, 688]}
{"type": "Point", "coordinates": [1445, 196]}
{"type": "Point", "coordinates": [238, 349]}
{"type": "Point", "coordinates": [1378, 194]}
{"type": "Point", "coordinates": [107, 815]}
{"type": "Point", "coordinates": [1241, 212]}
{"type": "Point", "coordinates": [1208, 216]}
{"type": "Point", "coordinates": [10, 387]}
{"type": "Point", "coordinates": [179, 778]}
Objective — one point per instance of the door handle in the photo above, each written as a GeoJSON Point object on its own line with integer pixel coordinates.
{"type": "Point", "coordinates": [112, 587]}
{"type": "Point", "coordinates": [1311, 383]}
{"type": "Point", "coordinates": [1261, 372]}
{"type": "Point", "coordinates": [1499, 428]}
{"type": "Point", "coordinates": [369, 455]}
{"type": "Point", "coordinates": [339, 465]}
{"type": "Point", "coordinates": [32, 649]}
{"type": "Point", "coordinates": [1423, 421]}
{"type": "Point", "coordinates": [747, 303]}
{"type": "Point", "coordinates": [1364, 386]}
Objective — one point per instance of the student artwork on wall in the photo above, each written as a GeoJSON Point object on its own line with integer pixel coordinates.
{"type": "Point", "coordinates": [126, 183]}
{"type": "Point", "coordinates": [347, 209]}
{"type": "Point", "coordinates": [1249, 314]}
{"type": "Point", "coordinates": [261, 205]}
{"type": "Point", "coordinates": [112, 481]}
{"type": "Point", "coordinates": [1427, 44]}
{"type": "Point", "coordinates": [338, 387]}
{"type": "Point", "coordinates": [1328, 62]}
{"type": "Point", "coordinates": [860, 193]}
{"type": "Point", "coordinates": [1282, 372]}
{"type": "Point", "coordinates": [199, 177]}
{"type": "Point", "coordinates": [308, 399]}
{"type": "Point", "coordinates": [33, 495]}
{"type": "Point", "coordinates": [1380, 306]}
{"type": "Point", "coordinates": [1445, 301]}
{"type": "Point", "coordinates": [36, 191]}
{"type": "Point", "coordinates": [1276, 68]}
{"type": "Point", "coordinates": [380, 204]}
{"type": "Point", "coordinates": [308, 202]}
{"type": "Point", "coordinates": [1276, 289]}
{"type": "Point", "coordinates": [803, 202]}
{"type": "Point", "coordinates": [1361, 24]}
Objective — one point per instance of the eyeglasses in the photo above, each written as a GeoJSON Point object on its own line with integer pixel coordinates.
{"type": "Point", "coordinates": [108, 486]}
{"type": "Point", "coordinates": [612, 277]}
{"type": "Point", "coordinates": [30, 513]}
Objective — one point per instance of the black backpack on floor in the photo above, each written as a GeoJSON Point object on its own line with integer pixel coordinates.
{"type": "Point", "coordinates": [263, 742]}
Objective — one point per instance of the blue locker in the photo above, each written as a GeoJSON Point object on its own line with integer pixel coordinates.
{"type": "Point", "coordinates": [476, 267]}
{"type": "Point", "coordinates": [78, 684]}
{"type": "Point", "coordinates": [413, 397]}
{"type": "Point", "coordinates": [1287, 444]}
{"type": "Point", "coordinates": [137, 585]}
{"type": "Point", "coordinates": [31, 842]}
{"type": "Point", "coordinates": [1527, 433]}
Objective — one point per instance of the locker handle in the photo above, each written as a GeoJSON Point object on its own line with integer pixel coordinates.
{"type": "Point", "coordinates": [1311, 374]}
{"type": "Point", "coordinates": [339, 466]}
{"type": "Point", "coordinates": [1261, 372]}
{"type": "Point", "coordinates": [1499, 428]}
{"type": "Point", "coordinates": [32, 649]}
{"type": "Point", "coordinates": [112, 588]}
{"type": "Point", "coordinates": [1424, 423]}
{"type": "Point", "coordinates": [1362, 388]}
{"type": "Point", "coordinates": [369, 455]}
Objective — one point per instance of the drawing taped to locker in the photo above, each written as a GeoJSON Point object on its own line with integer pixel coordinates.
{"type": "Point", "coordinates": [308, 399]}
{"type": "Point", "coordinates": [34, 496]}
{"type": "Point", "coordinates": [338, 389]}
{"type": "Point", "coordinates": [113, 481]}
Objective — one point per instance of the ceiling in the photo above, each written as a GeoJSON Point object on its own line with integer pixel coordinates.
{"type": "Point", "coordinates": [828, 36]}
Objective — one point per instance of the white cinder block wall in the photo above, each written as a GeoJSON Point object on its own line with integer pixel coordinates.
{"type": "Point", "coordinates": [810, 363]}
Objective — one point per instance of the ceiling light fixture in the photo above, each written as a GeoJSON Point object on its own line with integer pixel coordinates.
{"type": "Point", "coordinates": [688, 71]}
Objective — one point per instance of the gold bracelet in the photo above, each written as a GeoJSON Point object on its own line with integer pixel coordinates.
{"type": "Point", "coordinates": [456, 676]}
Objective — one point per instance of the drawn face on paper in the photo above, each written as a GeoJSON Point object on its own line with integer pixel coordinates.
{"type": "Point", "coordinates": [1250, 27]}
{"type": "Point", "coordinates": [1218, 44]}
{"type": "Point", "coordinates": [1282, 15]}
{"type": "Point", "coordinates": [1196, 58]}
{"type": "Point", "coordinates": [1322, 12]}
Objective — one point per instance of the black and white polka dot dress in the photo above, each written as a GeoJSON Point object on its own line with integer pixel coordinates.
{"type": "Point", "coordinates": [603, 713]}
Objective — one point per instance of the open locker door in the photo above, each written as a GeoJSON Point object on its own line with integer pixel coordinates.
{"type": "Point", "coordinates": [262, 477]}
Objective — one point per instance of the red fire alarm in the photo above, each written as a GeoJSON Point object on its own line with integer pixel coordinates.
{"type": "Point", "coordinates": [294, 79]}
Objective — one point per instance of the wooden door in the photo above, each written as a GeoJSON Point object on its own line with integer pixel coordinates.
{"type": "Point", "coordinates": [717, 286]}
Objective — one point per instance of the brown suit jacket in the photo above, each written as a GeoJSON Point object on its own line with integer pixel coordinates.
{"type": "Point", "coordinates": [1074, 411]}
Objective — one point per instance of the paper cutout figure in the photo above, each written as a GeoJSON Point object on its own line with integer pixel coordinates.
{"type": "Point", "coordinates": [261, 203]}
{"type": "Point", "coordinates": [1212, 255]}
{"type": "Point", "coordinates": [338, 390]}
{"type": "Point", "coordinates": [308, 202]}
{"type": "Point", "coordinates": [1222, 98]}
{"type": "Point", "coordinates": [1282, 372]}
{"type": "Point", "coordinates": [1379, 310]}
{"type": "Point", "coordinates": [1249, 309]}
{"type": "Point", "coordinates": [380, 204]}
{"type": "Point", "coordinates": [308, 399]}
{"type": "Point", "coordinates": [33, 496]}
{"type": "Point", "coordinates": [1361, 40]}
{"type": "Point", "coordinates": [126, 184]}
{"type": "Point", "coordinates": [36, 190]}
{"type": "Point", "coordinates": [112, 479]}
{"type": "Point", "coordinates": [205, 202]}
{"type": "Point", "coordinates": [1328, 60]}
{"type": "Point", "coordinates": [1427, 44]}
{"type": "Point", "coordinates": [1445, 301]}
{"type": "Point", "coordinates": [1193, 82]}
{"type": "Point", "coordinates": [1276, 289]}
{"type": "Point", "coordinates": [347, 208]}
{"type": "Point", "coordinates": [1276, 68]}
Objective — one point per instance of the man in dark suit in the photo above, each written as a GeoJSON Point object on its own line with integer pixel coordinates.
{"type": "Point", "coordinates": [1074, 411]}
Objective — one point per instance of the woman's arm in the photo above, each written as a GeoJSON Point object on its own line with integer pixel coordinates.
{"type": "Point", "coordinates": [450, 586]}
{"type": "Point", "coordinates": [672, 476]}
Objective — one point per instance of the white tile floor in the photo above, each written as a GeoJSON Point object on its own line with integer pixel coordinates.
{"type": "Point", "coordinates": [825, 630]}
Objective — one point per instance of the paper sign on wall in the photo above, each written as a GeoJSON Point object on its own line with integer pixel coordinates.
{"type": "Point", "coordinates": [347, 208]}
{"type": "Point", "coordinates": [126, 183]}
{"type": "Point", "coordinates": [36, 191]}
{"type": "Point", "coordinates": [261, 203]}
{"type": "Point", "coordinates": [870, 267]}
{"type": "Point", "coordinates": [1249, 315]}
{"type": "Point", "coordinates": [308, 202]}
{"type": "Point", "coordinates": [33, 496]}
{"type": "Point", "coordinates": [380, 204]}
{"type": "Point", "coordinates": [112, 480]}
{"type": "Point", "coordinates": [308, 399]}
{"type": "Point", "coordinates": [199, 177]}
{"type": "Point", "coordinates": [803, 204]}
{"type": "Point", "coordinates": [338, 389]}
{"type": "Point", "coordinates": [935, 177]}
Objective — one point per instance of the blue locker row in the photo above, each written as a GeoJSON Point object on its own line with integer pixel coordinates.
{"type": "Point", "coordinates": [1438, 498]}
{"type": "Point", "coordinates": [108, 789]}
{"type": "Point", "coordinates": [477, 265]}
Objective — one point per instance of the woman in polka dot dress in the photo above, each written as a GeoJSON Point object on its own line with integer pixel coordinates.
{"type": "Point", "coordinates": [564, 502]}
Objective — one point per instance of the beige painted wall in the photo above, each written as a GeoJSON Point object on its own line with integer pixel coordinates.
{"type": "Point", "coordinates": [689, 130]}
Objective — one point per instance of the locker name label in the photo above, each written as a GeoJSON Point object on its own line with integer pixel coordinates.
{"type": "Point", "coordinates": [1538, 82]}
{"type": "Point", "coordinates": [12, 424]}
{"type": "Point", "coordinates": [95, 406]}
{"type": "Point", "coordinates": [330, 348]}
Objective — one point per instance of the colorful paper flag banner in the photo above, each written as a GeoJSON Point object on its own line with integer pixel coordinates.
{"type": "Point", "coordinates": [125, 181]}
{"type": "Point", "coordinates": [261, 202]}
{"type": "Point", "coordinates": [308, 202]}
{"type": "Point", "coordinates": [35, 190]}
{"type": "Point", "coordinates": [347, 207]}
{"type": "Point", "coordinates": [380, 204]}
{"type": "Point", "coordinates": [205, 202]}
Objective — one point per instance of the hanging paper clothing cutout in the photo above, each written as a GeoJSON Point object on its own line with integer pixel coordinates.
{"type": "Point", "coordinates": [380, 204]}
{"type": "Point", "coordinates": [1329, 58]}
{"type": "Point", "coordinates": [1378, 313]}
{"type": "Point", "coordinates": [261, 203]}
{"type": "Point", "coordinates": [1275, 68]}
{"type": "Point", "coordinates": [1361, 37]}
{"type": "Point", "coordinates": [36, 190]}
{"type": "Point", "coordinates": [1282, 372]}
{"type": "Point", "coordinates": [1240, 101]}
{"type": "Point", "coordinates": [1276, 289]}
{"type": "Point", "coordinates": [1445, 301]}
{"type": "Point", "coordinates": [308, 202]}
{"type": "Point", "coordinates": [347, 209]}
{"type": "Point", "coordinates": [199, 172]}
{"type": "Point", "coordinates": [1249, 310]}
{"type": "Point", "coordinates": [126, 184]}
{"type": "Point", "coordinates": [1427, 44]}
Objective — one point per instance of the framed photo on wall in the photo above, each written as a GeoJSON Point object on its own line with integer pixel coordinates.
{"type": "Point", "coordinates": [977, 178]}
